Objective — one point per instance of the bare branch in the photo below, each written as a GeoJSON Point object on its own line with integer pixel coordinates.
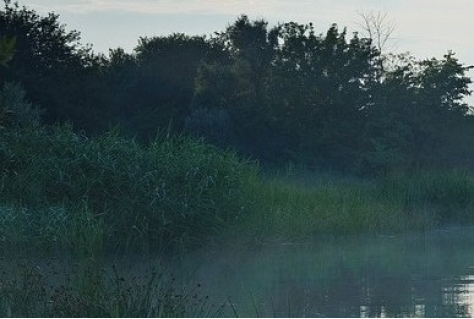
{"type": "Point", "coordinates": [376, 27]}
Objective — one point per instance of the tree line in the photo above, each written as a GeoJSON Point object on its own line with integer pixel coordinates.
{"type": "Point", "coordinates": [278, 93]}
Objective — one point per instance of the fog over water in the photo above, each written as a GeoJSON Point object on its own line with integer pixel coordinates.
{"type": "Point", "coordinates": [422, 275]}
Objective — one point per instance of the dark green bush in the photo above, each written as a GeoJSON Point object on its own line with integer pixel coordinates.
{"type": "Point", "coordinates": [170, 190]}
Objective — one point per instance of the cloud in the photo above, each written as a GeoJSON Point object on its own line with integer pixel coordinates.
{"type": "Point", "coordinates": [274, 8]}
{"type": "Point", "coordinates": [425, 25]}
{"type": "Point", "coordinates": [156, 6]}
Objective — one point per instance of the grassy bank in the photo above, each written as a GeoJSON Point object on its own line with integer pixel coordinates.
{"type": "Point", "coordinates": [302, 205]}
{"type": "Point", "coordinates": [61, 190]}
{"type": "Point", "coordinates": [63, 193]}
{"type": "Point", "coordinates": [58, 187]}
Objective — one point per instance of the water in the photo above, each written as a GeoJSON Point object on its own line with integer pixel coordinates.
{"type": "Point", "coordinates": [417, 275]}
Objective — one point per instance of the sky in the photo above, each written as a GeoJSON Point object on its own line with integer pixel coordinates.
{"type": "Point", "coordinates": [425, 28]}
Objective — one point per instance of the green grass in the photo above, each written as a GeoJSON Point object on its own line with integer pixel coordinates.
{"type": "Point", "coordinates": [62, 193]}
{"type": "Point", "coordinates": [291, 211]}
{"type": "Point", "coordinates": [174, 190]}
{"type": "Point", "coordinates": [301, 205]}
{"type": "Point", "coordinates": [62, 190]}
{"type": "Point", "coordinates": [448, 194]}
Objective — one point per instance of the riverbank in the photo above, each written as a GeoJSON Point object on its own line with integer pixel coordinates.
{"type": "Point", "coordinates": [294, 207]}
{"type": "Point", "coordinates": [65, 194]}
{"type": "Point", "coordinates": [63, 191]}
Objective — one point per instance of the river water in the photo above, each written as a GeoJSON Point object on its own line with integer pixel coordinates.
{"type": "Point", "coordinates": [428, 274]}
{"type": "Point", "coordinates": [416, 275]}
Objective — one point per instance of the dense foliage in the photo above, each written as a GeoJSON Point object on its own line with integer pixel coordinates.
{"type": "Point", "coordinates": [174, 191]}
{"type": "Point", "coordinates": [127, 174]}
{"type": "Point", "coordinates": [282, 93]}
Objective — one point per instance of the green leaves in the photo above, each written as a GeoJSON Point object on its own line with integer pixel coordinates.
{"type": "Point", "coordinates": [416, 112]}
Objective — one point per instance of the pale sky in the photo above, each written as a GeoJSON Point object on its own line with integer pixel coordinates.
{"type": "Point", "coordinates": [425, 28]}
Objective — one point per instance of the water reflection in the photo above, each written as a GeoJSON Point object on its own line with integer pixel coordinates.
{"type": "Point", "coordinates": [417, 275]}
{"type": "Point", "coordinates": [428, 275]}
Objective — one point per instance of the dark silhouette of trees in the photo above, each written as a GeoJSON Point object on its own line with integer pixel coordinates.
{"type": "Point", "coordinates": [288, 90]}
{"type": "Point", "coordinates": [415, 112]}
{"type": "Point", "coordinates": [321, 85]}
{"type": "Point", "coordinates": [238, 83]}
{"type": "Point", "coordinates": [47, 58]}
{"type": "Point", "coordinates": [166, 69]}
{"type": "Point", "coordinates": [282, 93]}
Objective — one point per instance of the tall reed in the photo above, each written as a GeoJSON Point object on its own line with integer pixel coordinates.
{"type": "Point", "coordinates": [170, 191]}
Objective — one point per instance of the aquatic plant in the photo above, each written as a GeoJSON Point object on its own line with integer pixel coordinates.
{"type": "Point", "coordinates": [171, 191]}
{"type": "Point", "coordinates": [95, 292]}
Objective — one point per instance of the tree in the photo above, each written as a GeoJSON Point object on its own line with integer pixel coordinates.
{"type": "Point", "coordinates": [415, 112]}
{"type": "Point", "coordinates": [166, 68]}
{"type": "Point", "coordinates": [253, 46]}
{"type": "Point", "coordinates": [7, 46]}
{"type": "Point", "coordinates": [237, 82]}
{"type": "Point", "coordinates": [42, 44]}
{"type": "Point", "coordinates": [320, 91]}
{"type": "Point", "coordinates": [441, 86]}
{"type": "Point", "coordinates": [376, 27]}
{"type": "Point", "coordinates": [15, 110]}
{"type": "Point", "coordinates": [290, 93]}
{"type": "Point", "coordinates": [47, 58]}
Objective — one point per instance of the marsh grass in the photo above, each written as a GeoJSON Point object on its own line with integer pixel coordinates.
{"type": "Point", "coordinates": [55, 182]}
{"type": "Point", "coordinates": [30, 292]}
{"type": "Point", "coordinates": [289, 211]}
{"type": "Point", "coordinates": [62, 193]}
{"type": "Point", "coordinates": [51, 230]}
{"type": "Point", "coordinates": [303, 206]}
{"type": "Point", "coordinates": [62, 190]}
{"type": "Point", "coordinates": [448, 194]}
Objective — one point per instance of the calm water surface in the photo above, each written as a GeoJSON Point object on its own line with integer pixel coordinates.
{"type": "Point", "coordinates": [417, 275]}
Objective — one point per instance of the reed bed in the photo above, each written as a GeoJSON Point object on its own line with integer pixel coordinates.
{"type": "Point", "coordinates": [60, 188]}
{"type": "Point", "coordinates": [62, 193]}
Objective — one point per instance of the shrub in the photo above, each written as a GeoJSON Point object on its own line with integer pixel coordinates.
{"type": "Point", "coordinates": [15, 110]}
{"type": "Point", "coordinates": [171, 190]}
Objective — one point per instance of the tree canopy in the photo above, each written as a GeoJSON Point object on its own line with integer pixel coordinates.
{"type": "Point", "coordinates": [279, 93]}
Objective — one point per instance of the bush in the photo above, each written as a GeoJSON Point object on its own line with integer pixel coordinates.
{"type": "Point", "coordinates": [171, 190]}
{"type": "Point", "coordinates": [15, 110]}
